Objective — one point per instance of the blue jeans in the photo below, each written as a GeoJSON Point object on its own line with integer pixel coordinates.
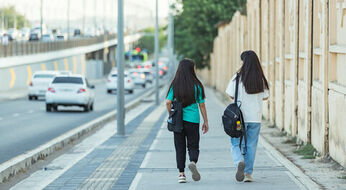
{"type": "Point", "coordinates": [252, 133]}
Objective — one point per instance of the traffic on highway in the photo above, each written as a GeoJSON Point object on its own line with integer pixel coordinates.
{"type": "Point", "coordinates": [58, 101]}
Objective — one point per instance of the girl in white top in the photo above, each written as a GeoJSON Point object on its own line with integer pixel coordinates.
{"type": "Point", "coordinates": [252, 90]}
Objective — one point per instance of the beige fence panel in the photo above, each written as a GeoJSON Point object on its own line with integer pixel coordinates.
{"type": "Point", "coordinates": [337, 80]}
{"type": "Point", "coordinates": [302, 48]}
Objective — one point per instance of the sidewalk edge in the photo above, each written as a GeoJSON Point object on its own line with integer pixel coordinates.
{"type": "Point", "coordinates": [22, 162]}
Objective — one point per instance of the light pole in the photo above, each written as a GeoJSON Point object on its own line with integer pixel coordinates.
{"type": "Point", "coordinates": [68, 19]}
{"type": "Point", "coordinates": [41, 19]}
{"type": "Point", "coordinates": [171, 40]}
{"type": "Point", "coordinates": [84, 3]}
{"type": "Point", "coordinates": [156, 55]}
{"type": "Point", "coordinates": [120, 70]}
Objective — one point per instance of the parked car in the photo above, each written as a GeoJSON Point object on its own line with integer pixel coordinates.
{"type": "Point", "coordinates": [113, 79]}
{"type": "Point", "coordinates": [72, 90]}
{"type": "Point", "coordinates": [39, 83]}
{"type": "Point", "coordinates": [138, 76]}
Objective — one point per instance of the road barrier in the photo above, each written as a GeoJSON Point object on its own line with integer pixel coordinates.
{"type": "Point", "coordinates": [31, 47]}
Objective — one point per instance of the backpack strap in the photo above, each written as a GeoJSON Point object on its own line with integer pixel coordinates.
{"type": "Point", "coordinates": [244, 133]}
{"type": "Point", "coordinates": [236, 88]}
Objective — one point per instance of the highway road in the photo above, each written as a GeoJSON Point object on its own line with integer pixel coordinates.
{"type": "Point", "coordinates": [25, 125]}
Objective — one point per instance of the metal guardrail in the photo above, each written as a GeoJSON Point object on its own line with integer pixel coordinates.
{"type": "Point", "coordinates": [26, 48]}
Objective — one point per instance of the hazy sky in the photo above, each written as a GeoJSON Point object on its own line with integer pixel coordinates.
{"type": "Point", "coordinates": [57, 9]}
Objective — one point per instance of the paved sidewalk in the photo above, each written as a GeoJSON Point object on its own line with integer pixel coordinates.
{"type": "Point", "coordinates": [145, 159]}
{"type": "Point", "coordinates": [158, 170]}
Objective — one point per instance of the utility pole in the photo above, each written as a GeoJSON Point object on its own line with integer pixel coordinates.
{"type": "Point", "coordinates": [41, 19]}
{"type": "Point", "coordinates": [156, 55]}
{"type": "Point", "coordinates": [120, 70]}
{"type": "Point", "coordinates": [3, 16]}
{"type": "Point", "coordinates": [68, 19]}
{"type": "Point", "coordinates": [83, 27]}
{"type": "Point", "coordinates": [171, 41]}
{"type": "Point", "coordinates": [95, 19]}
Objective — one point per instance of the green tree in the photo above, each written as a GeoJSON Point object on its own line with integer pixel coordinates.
{"type": "Point", "coordinates": [196, 26]}
{"type": "Point", "coordinates": [147, 41]}
{"type": "Point", "coordinates": [11, 16]}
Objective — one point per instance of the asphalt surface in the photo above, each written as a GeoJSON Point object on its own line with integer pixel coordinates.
{"type": "Point", "coordinates": [25, 125]}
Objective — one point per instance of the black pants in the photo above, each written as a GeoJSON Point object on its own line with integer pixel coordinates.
{"type": "Point", "coordinates": [191, 134]}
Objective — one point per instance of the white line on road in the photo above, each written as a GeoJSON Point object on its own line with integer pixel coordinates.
{"type": "Point", "coordinates": [31, 111]}
{"type": "Point", "coordinates": [16, 115]}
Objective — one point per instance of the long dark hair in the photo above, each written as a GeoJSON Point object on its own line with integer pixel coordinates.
{"type": "Point", "coordinates": [251, 73]}
{"type": "Point", "coordinates": [184, 83]}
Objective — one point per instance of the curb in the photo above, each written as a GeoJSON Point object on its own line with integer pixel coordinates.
{"type": "Point", "coordinates": [297, 173]}
{"type": "Point", "coordinates": [22, 162]}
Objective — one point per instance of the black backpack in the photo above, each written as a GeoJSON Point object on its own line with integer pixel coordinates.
{"type": "Point", "coordinates": [232, 119]}
{"type": "Point", "coordinates": [175, 119]}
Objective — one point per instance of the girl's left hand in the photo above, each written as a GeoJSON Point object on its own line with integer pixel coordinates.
{"type": "Point", "coordinates": [205, 128]}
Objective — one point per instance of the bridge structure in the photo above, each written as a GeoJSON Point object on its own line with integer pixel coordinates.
{"type": "Point", "coordinates": [91, 57]}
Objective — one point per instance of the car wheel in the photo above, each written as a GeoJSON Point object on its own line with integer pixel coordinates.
{"type": "Point", "coordinates": [30, 97]}
{"type": "Point", "coordinates": [35, 97]}
{"type": "Point", "coordinates": [48, 107]}
{"type": "Point", "coordinates": [55, 108]}
{"type": "Point", "coordinates": [143, 85]}
{"type": "Point", "coordinates": [109, 91]}
{"type": "Point", "coordinates": [131, 91]}
{"type": "Point", "coordinates": [92, 107]}
{"type": "Point", "coordinates": [86, 108]}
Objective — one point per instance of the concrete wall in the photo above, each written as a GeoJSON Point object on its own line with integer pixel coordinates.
{"type": "Point", "coordinates": [302, 49]}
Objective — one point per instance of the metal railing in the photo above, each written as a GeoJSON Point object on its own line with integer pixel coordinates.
{"type": "Point", "coordinates": [26, 48]}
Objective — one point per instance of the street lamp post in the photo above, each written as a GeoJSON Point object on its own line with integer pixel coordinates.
{"type": "Point", "coordinates": [41, 18]}
{"type": "Point", "coordinates": [156, 55]}
{"type": "Point", "coordinates": [68, 19]}
{"type": "Point", "coordinates": [171, 40]}
{"type": "Point", "coordinates": [120, 70]}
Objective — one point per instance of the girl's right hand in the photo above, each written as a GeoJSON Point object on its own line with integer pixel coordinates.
{"type": "Point", "coordinates": [205, 127]}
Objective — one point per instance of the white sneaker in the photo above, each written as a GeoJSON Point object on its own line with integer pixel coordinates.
{"type": "Point", "coordinates": [248, 178]}
{"type": "Point", "coordinates": [182, 178]}
{"type": "Point", "coordinates": [195, 174]}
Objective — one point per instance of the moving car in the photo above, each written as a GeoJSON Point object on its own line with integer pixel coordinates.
{"type": "Point", "coordinates": [34, 36]}
{"type": "Point", "coordinates": [148, 75]}
{"type": "Point", "coordinates": [39, 83]}
{"type": "Point", "coordinates": [72, 90]}
{"type": "Point", "coordinates": [113, 79]}
{"type": "Point", "coordinates": [138, 76]}
{"type": "Point", "coordinates": [47, 38]}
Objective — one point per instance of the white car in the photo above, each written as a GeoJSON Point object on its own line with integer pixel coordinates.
{"type": "Point", "coordinates": [72, 90]}
{"type": "Point", "coordinates": [113, 79]}
{"type": "Point", "coordinates": [138, 76]}
{"type": "Point", "coordinates": [39, 83]}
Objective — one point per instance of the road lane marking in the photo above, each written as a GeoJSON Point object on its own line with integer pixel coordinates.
{"type": "Point", "coordinates": [43, 66]}
{"type": "Point", "coordinates": [28, 80]}
{"type": "Point", "coordinates": [74, 65]}
{"type": "Point", "coordinates": [31, 111]}
{"type": "Point", "coordinates": [66, 64]}
{"type": "Point", "coordinates": [16, 115]}
{"type": "Point", "coordinates": [83, 65]}
{"type": "Point", "coordinates": [13, 77]}
{"type": "Point", "coordinates": [56, 66]}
